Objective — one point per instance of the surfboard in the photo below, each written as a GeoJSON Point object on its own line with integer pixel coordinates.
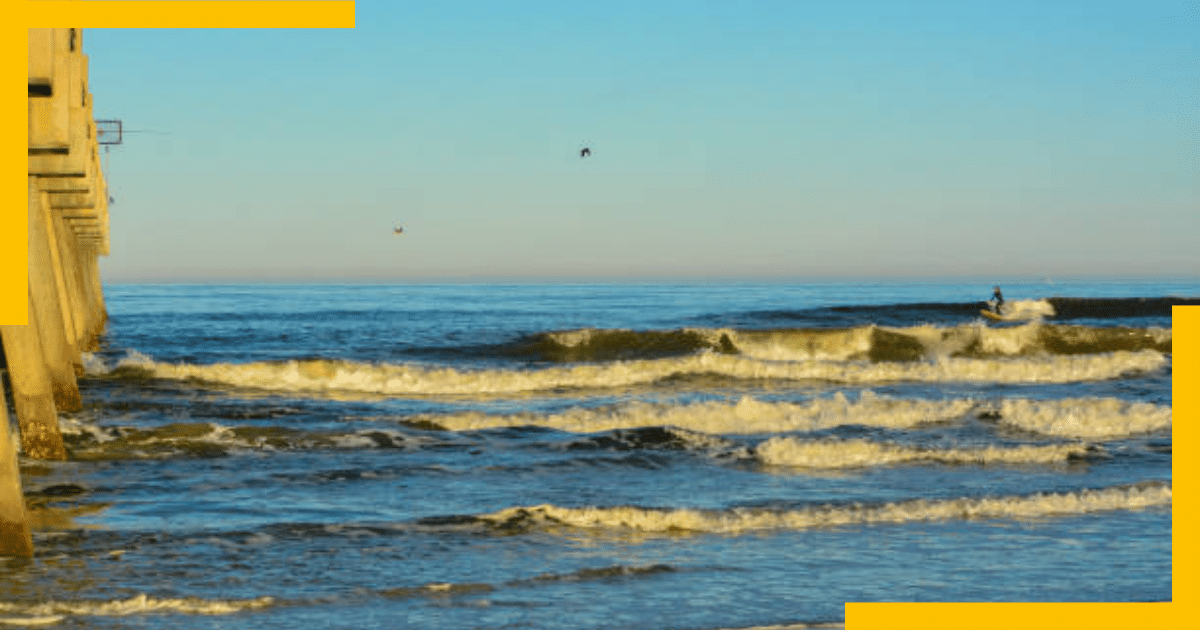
{"type": "Point", "coordinates": [992, 316]}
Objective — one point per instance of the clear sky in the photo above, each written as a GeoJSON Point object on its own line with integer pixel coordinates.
{"type": "Point", "coordinates": [730, 139]}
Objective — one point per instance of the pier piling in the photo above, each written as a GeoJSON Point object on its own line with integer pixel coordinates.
{"type": "Point", "coordinates": [15, 539]}
{"type": "Point", "coordinates": [68, 231]}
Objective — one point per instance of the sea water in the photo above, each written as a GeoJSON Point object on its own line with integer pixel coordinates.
{"type": "Point", "coordinates": [621, 455]}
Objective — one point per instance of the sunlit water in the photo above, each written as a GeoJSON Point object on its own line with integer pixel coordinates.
{"type": "Point", "coordinates": [603, 455]}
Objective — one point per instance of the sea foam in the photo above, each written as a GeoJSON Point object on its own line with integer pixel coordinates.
{"type": "Point", "coordinates": [138, 604]}
{"type": "Point", "coordinates": [1085, 418]}
{"type": "Point", "coordinates": [785, 451]}
{"type": "Point", "coordinates": [1075, 418]}
{"type": "Point", "coordinates": [747, 415]}
{"type": "Point", "coordinates": [329, 377]}
{"type": "Point", "coordinates": [743, 520]}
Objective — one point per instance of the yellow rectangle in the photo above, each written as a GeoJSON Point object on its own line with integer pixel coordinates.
{"type": "Point", "coordinates": [191, 14]}
{"type": "Point", "coordinates": [1011, 616]}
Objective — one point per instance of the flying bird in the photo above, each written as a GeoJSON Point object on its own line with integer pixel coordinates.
{"type": "Point", "coordinates": [584, 152]}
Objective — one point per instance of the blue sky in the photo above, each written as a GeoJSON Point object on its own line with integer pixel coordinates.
{"type": "Point", "coordinates": [730, 139]}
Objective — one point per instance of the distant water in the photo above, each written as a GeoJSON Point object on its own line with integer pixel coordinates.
{"type": "Point", "coordinates": [683, 456]}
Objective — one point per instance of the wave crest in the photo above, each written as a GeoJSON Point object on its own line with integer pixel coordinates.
{"type": "Point", "coordinates": [742, 520]}
{"type": "Point", "coordinates": [330, 376]}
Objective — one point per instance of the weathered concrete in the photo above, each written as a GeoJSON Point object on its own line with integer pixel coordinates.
{"type": "Point", "coordinates": [70, 330]}
{"type": "Point", "coordinates": [15, 538]}
{"type": "Point", "coordinates": [33, 397]}
{"type": "Point", "coordinates": [61, 354]}
{"type": "Point", "coordinates": [70, 264]}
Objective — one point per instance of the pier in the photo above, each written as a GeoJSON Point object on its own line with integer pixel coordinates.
{"type": "Point", "coordinates": [68, 232]}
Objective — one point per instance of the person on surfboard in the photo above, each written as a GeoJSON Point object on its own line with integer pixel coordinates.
{"type": "Point", "coordinates": [997, 300]}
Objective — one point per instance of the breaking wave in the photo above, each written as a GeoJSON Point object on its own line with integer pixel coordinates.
{"type": "Point", "coordinates": [330, 376]}
{"type": "Point", "coordinates": [640, 424]}
{"type": "Point", "coordinates": [1072, 418]}
{"type": "Point", "coordinates": [53, 612]}
{"type": "Point", "coordinates": [91, 442]}
{"type": "Point", "coordinates": [745, 416]}
{"type": "Point", "coordinates": [1053, 308]}
{"type": "Point", "coordinates": [742, 520]}
{"type": "Point", "coordinates": [871, 342]}
{"type": "Point", "coordinates": [1084, 418]}
{"type": "Point", "coordinates": [784, 451]}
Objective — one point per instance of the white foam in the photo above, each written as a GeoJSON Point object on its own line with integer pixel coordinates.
{"type": "Point", "coordinates": [1027, 309]}
{"type": "Point", "coordinates": [806, 345]}
{"type": "Point", "coordinates": [575, 338]}
{"type": "Point", "coordinates": [139, 604]}
{"type": "Point", "coordinates": [980, 338]}
{"type": "Point", "coordinates": [133, 358]}
{"type": "Point", "coordinates": [1085, 418]}
{"type": "Point", "coordinates": [327, 377]}
{"type": "Point", "coordinates": [76, 426]}
{"type": "Point", "coordinates": [795, 452]}
{"type": "Point", "coordinates": [746, 416]}
{"type": "Point", "coordinates": [1074, 418]}
{"type": "Point", "coordinates": [92, 364]}
{"type": "Point", "coordinates": [742, 520]}
{"type": "Point", "coordinates": [146, 438]}
{"type": "Point", "coordinates": [44, 620]}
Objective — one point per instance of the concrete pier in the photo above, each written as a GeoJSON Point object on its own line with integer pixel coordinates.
{"type": "Point", "coordinates": [15, 539]}
{"type": "Point", "coordinates": [68, 231]}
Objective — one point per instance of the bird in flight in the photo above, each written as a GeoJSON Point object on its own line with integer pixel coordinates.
{"type": "Point", "coordinates": [584, 152]}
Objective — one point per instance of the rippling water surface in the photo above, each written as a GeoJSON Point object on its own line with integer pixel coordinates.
{"type": "Point", "coordinates": [603, 455]}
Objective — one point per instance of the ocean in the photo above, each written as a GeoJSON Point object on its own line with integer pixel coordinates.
{"type": "Point", "coordinates": [603, 455]}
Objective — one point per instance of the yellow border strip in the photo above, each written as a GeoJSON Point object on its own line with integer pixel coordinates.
{"type": "Point", "coordinates": [190, 14]}
{"type": "Point", "coordinates": [340, 14]}
{"type": "Point", "coordinates": [14, 167]}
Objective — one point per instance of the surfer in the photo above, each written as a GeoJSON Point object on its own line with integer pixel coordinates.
{"type": "Point", "coordinates": [997, 300]}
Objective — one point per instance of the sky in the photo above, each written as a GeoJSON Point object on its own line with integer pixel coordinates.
{"type": "Point", "coordinates": [731, 139]}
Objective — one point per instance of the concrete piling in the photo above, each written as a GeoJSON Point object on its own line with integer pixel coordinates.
{"type": "Point", "coordinates": [33, 397]}
{"type": "Point", "coordinates": [61, 351]}
{"type": "Point", "coordinates": [15, 539]}
{"type": "Point", "coordinates": [68, 231]}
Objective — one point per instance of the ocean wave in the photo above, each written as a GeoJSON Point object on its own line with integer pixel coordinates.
{"type": "Point", "coordinates": [330, 376]}
{"type": "Point", "coordinates": [800, 453]}
{"type": "Point", "coordinates": [136, 605]}
{"type": "Point", "coordinates": [649, 425]}
{"type": "Point", "coordinates": [735, 521]}
{"type": "Point", "coordinates": [870, 342]}
{"type": "Point", "coordinates": [1056, 308]}
{"type": "Point", "coordinates": [1084, 418]}
{"type": "Point", "coordinates": [451, 589]}
{"type": "Point", "coordinates": [90, 441]}
{"type": "Point", "coordinates": [747, 415]}
{"type": "Point", "coordinates": [1072, 418]}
